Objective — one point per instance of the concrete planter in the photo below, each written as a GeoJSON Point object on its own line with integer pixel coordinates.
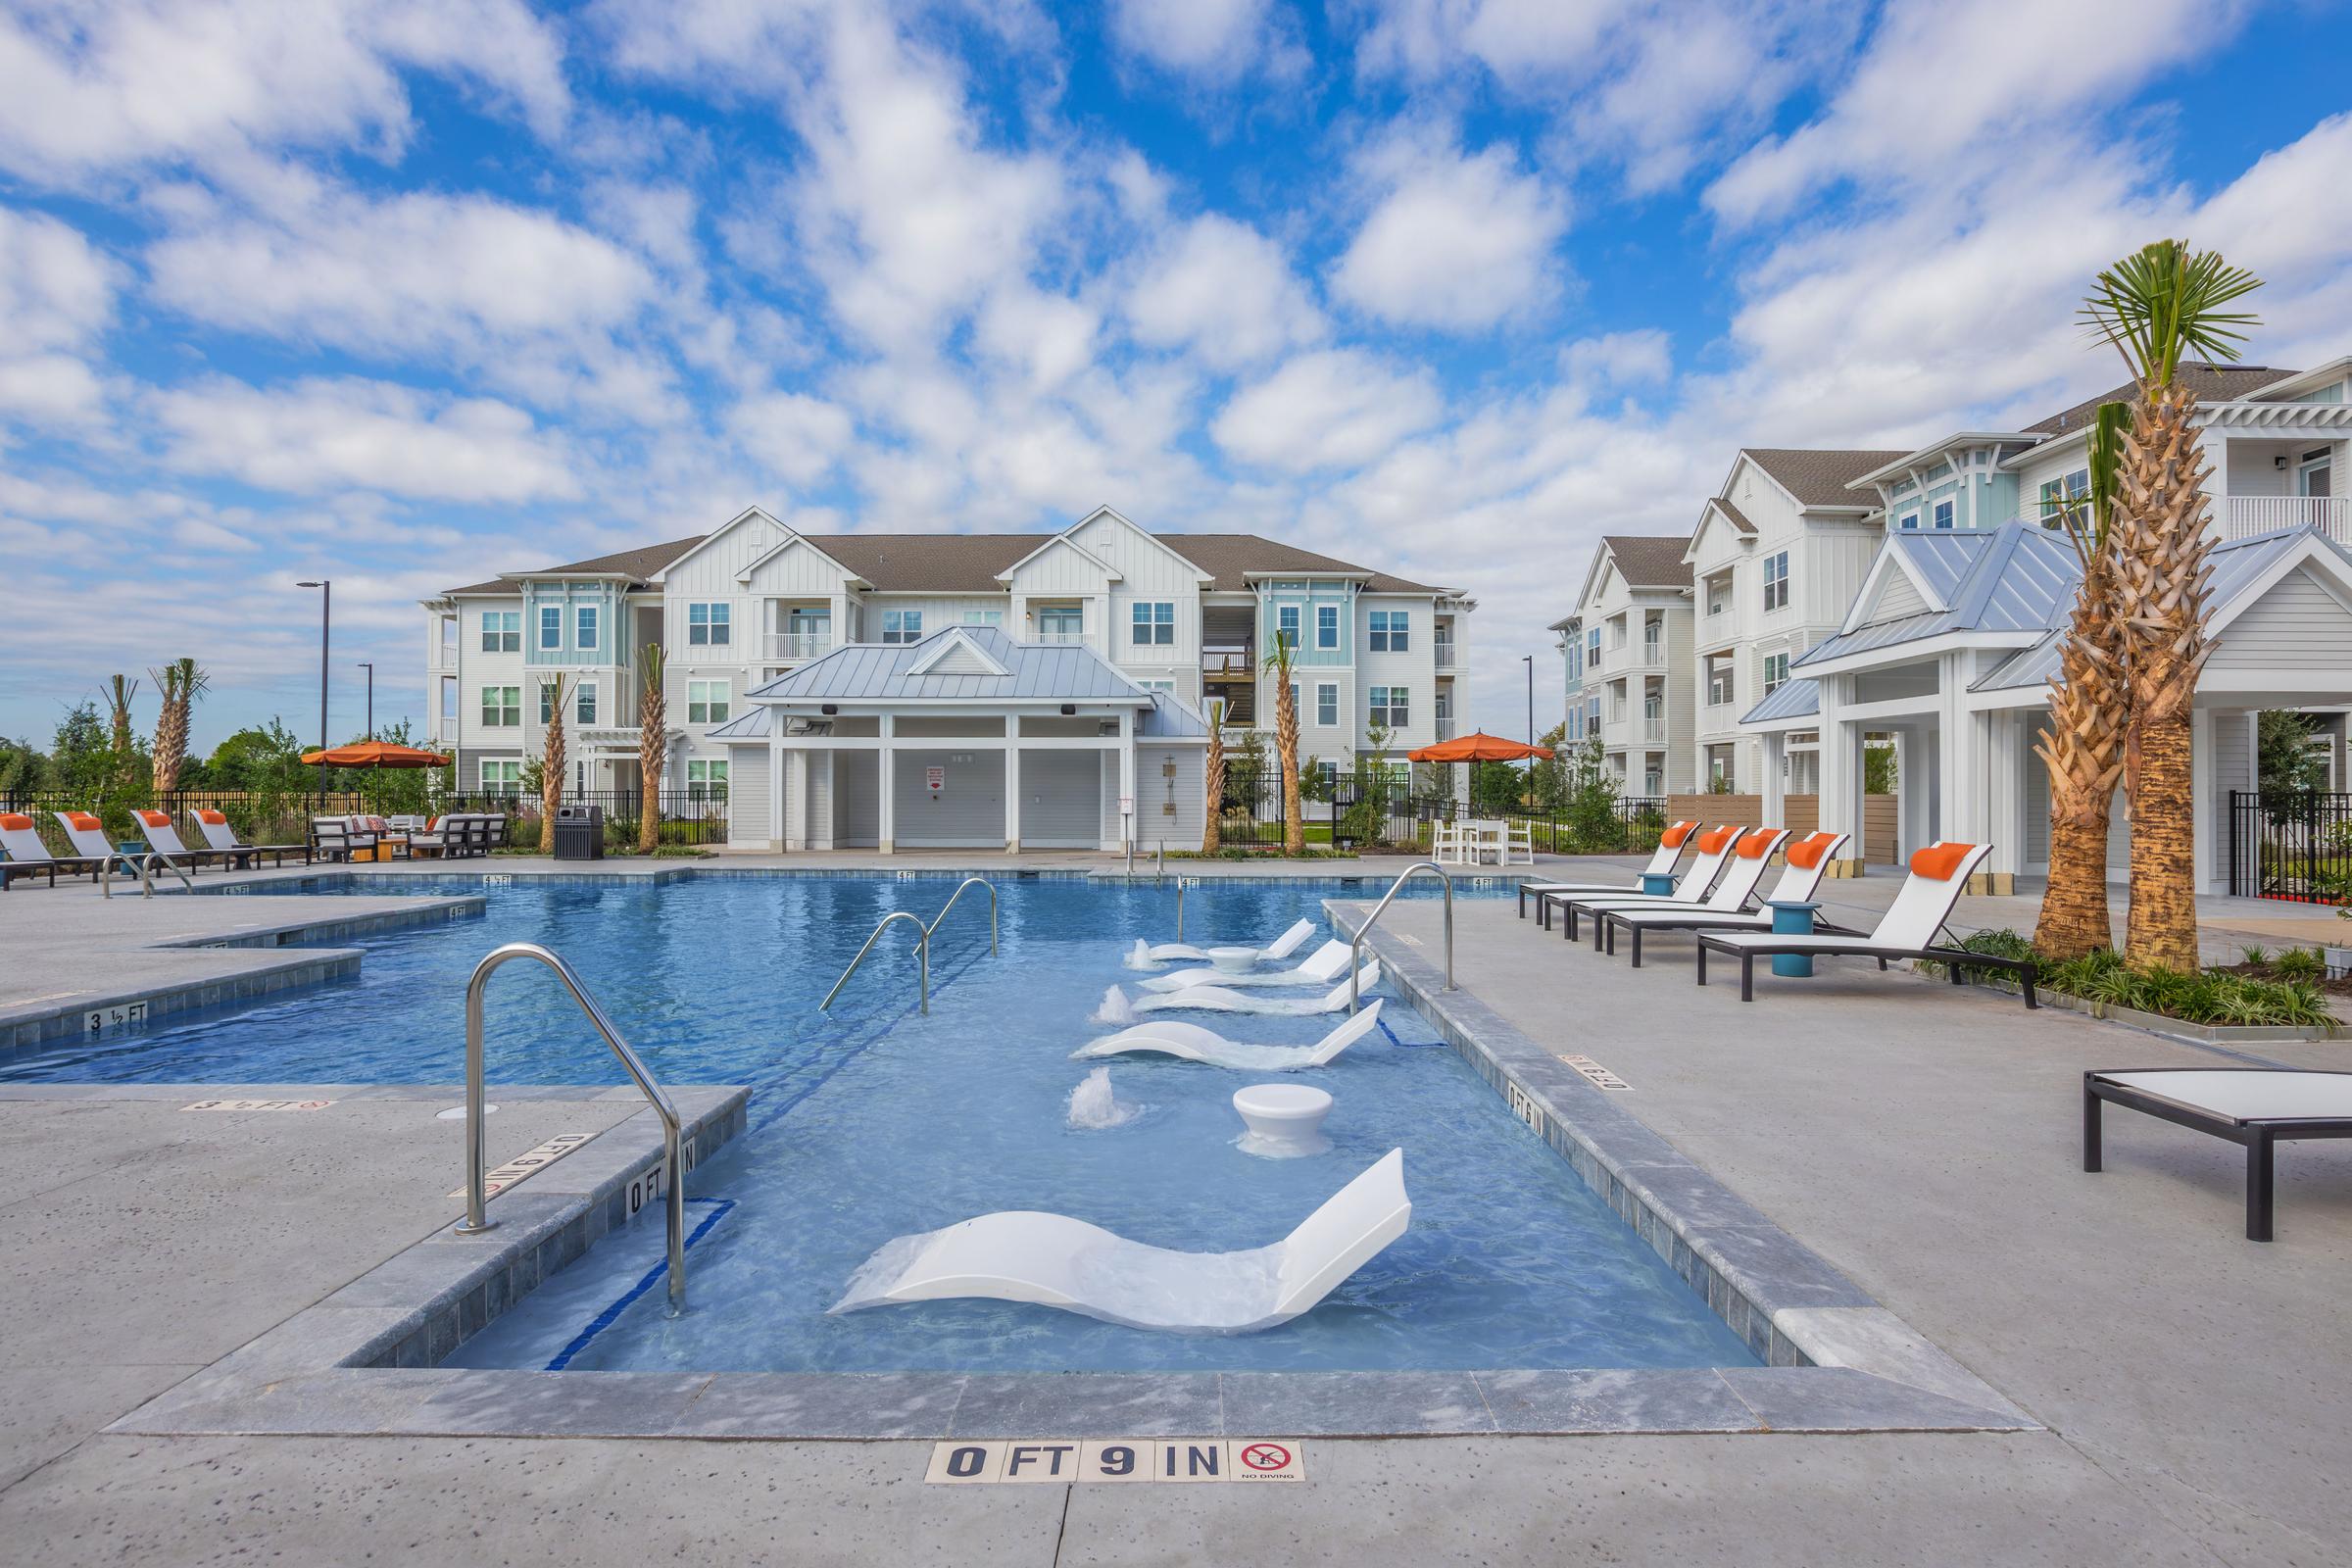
{"type": "Point", "coordinates": [2208, 1033]}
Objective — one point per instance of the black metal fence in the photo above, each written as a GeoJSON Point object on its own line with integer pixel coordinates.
{"type": "Point", "coordinates": [690, 816]}
{"type": "Point", "coordinates": [1354, 811]}
{"type": "Point", "coordinates": [2295, 845]}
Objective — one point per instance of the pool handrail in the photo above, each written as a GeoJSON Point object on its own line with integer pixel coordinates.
{"type": "Point", "coordinates": [922, 953]}
{"type": "Point", "coordinates": [1355, 946]}
{"type": "Point", "coordinates": [672, 1164]}
{"type": "Point", "coordinates": [932, 929]}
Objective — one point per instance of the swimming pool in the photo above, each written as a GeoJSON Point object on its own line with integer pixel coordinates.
{"type": "Point", "coordinates": [873, 1121]}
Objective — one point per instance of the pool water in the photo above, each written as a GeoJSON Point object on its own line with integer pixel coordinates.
{"type": "Point", "coordinates": [873, 1121]}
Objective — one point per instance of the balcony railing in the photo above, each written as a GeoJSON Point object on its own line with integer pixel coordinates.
{"type": "Point", "coordinates": [2240, 517]}
{"type": "Point", "coordinates": [1059, 638]}
{"type": "Point", "coordinates": [785, 647]}
{"type": "Point", "coordinates": [1445, 654]}
{"type": "Point", "coordinates": [1228, 663]}
{"type": "Point", "coordinates": [1653, 732]}
{"type": "Point", "coordinates": [1444, 729]}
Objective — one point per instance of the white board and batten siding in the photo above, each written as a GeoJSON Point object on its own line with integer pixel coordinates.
{"type": "Point", "coordinates": [1169, 796]}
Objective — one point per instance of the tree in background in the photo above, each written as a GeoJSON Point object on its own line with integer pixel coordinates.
{"type": "Point", "coordinates": [2285, 759]}
{"type": "Point", "coordinates": [1280, 663]}
{"type": "Point", "coordinates": [81, 761]}
{"type": "Point", "coordinates": [1367, 820]}
{"type": "Point", "coordinates": [2156, 307]}
{"type": "Point", "coordinates": [1591, 818]}
{"type": "Point", "coordinates": [1877, 767]}
{"type": "Point", "coordinates": [263, 765]}
{"type": "Point", "coordinates": [1496, 787]}
{"type": "Point", "coordinates": [551, 764]}
{"type": "Point", "coordinates": [1552, 772]}
{"type": "Point", "coordinates": [652, 747]}
{"type": "Point", "coordinates": [22, 768]}
{"type": "Point", "coordinates": [1212, 814]}
{"type": "Point", "coordinates": [2089, 714]}
{"type": "Point", "coordinates": [179, 683]}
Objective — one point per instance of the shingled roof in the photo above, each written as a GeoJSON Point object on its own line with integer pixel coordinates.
{"type": "Point", "coordinates": [1650, 560]}
{"type": "Point", "coordinates": [2210, 382]}
{"type": "Point", "coordinates": [636, 564]}
{"type": "Point", "coordinates": [1818, 479]}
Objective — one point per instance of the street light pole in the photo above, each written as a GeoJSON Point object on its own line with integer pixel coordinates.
{"type": "Point", "coordinates": [1529, 659]}
{"type": "Point", "coordinates": [326, 608]}
{"type": "Point", "coordinates": [371, 669]}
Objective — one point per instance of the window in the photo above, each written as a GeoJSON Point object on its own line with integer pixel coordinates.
{"type": "Point", "coordinates": [1944, 513]}
{"type": "Point", "coordinates": [984, 617]}
{"type": "Point", "coordinates": [1327, 625]}
{"type": "Point", "coordinates": [547, 700]}
{"type": "Point", "coordinates": [1776, 581]}
{"type": "Point", "coordinates": [1296, 709]}
{"type": "Point", "coordinates": [1154, 623]}
{"type": "Point", "coordinates": [1388, 631]}
{"type": "Point", "coordinates": [707, 702]}
{"type": "Point", "coordinates": [705, 781]}
{"type": "Point", "coordinates": [1719, 680]}
{"type": "Point", "coordinates": [1719, 594]}
{"type": "Point", "coordinates": [551, 625]}
{"type": "Point", "coordinates": [2315, 474]}
{"type": "Point", "coordinates": [502, 707]}
{"type": "Point", "coordinates": [1910, 520]}
{"type": "Point", "coordinates": [502, 778]}
{"type": "Point", "coordinates": [708, 625]}
{"type": "Point", "coordinates": [1573, 728]}
{"type": "Point", "coordinates": [583, 706]}
{"type": "Point", "coordinates": [449, 704]}
{"type": "Point", "coordinates": [1592, 649]}
{"type": "Point", "coordinates": [1061, 621]}
{"type": "Point", "coordinates": [583, 621]}
{"type": "Point", "coordinates": [1389, 706]}
{"type": "Point", "coordinates": [502, 631]}
{"type": "Point", "coordinates": [901, 626]}
{"type": "Point", "coordinates": [1776, 672]}
{"type": "Point", "coordinates": [1168, 686]}
{"type": "Point", "coordinates": [1575, 648]}
{"type": "Point", "coordinates": [1286, 624]}
{"type": "Point", "coordinates": [1327, 702]}
{"type": "Point", "coordinates": [1592, 716]}
{"type": "Point", "coordinates": [448, 639]}
{"type": "Point", "coordinates": [2058, 497]}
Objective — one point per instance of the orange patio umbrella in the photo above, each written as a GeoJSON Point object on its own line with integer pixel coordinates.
{"type": "Point", "coordinates": [374, 754]}
{"type": "Point", "coordinates": [1478, 747]}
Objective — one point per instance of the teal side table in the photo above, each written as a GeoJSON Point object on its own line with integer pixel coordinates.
{"type": "Point", "coordinates": [1791, 918]}
{"type": "Point", "coordinates": [1658, 884]}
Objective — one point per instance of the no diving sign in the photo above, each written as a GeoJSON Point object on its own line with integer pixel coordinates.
{"type": "Point", "coordinates": [1046, 1461]}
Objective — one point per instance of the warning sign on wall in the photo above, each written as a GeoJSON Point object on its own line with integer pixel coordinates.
{"type": "Point", "coordinates": [935, 779]}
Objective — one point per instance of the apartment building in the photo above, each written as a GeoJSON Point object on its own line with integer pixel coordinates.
{"type": "Point", "coordinates": [1627, 655]}
{"type": "Point", "coordinates": [754, 616]}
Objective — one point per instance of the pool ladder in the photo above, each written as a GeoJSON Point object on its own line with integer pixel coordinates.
{"type": "Point", "coordinates": [672, 1164]}
{"type": "Point", "coordinates": [1356, 947]}
{"type": "Point", "coordinates": [143, 867]}
{"type": "Point", "coordinates": [922, 940]}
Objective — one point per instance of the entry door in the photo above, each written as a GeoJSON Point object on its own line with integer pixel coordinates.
{"type": "Point", "coordinates": [2317, 473]}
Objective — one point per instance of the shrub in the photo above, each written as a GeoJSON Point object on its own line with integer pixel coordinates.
{"type": "Point", "coordinates": [2210, 996]}
{"type": "Point", "coordinates": [1999, 943]}
{"type": "Point", "coordinates": [2256, 953]}
{"type": "Point", "coordinates": [2300, 963]}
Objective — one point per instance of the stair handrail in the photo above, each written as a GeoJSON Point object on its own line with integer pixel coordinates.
{"type": "Point", "coordinates": [673, 1164]}
{"type": "Point", "coordinates": [1355, 946]}
{"type": "Point", "coordinates": [932, 929]}
{"type": "Point", "coordinates": [922, 953]}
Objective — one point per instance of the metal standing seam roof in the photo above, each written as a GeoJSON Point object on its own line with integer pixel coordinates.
{"type": "Point", "coordinates": [2017, 577]}
{"type": "Point", "coordinates": [1792, 699]}
{"type": "Point", "coordinates": [885, 672]}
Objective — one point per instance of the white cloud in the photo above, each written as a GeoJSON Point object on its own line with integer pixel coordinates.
{"type": "Point", "coordinates": [796, 437]}
{"type": "Point", "coordinates": [1618, 359]}
{"type": "Point", "coordinates": [1216, 40]}
{"type": "Point", "coordinates": [1458, 241]}
{"type": "Point", "coordinates": [1337, 407]}
{"type": "Point", "coordinates": [56, 297]}
{"type": "Point", "coordinates": [319, 435]}
{"type": "Point", "coordinates": [101, 84]}
{"type": "Point", "coordinates": [1226, 292]}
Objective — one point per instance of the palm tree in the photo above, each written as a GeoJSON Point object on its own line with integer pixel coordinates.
{"type": "Point", "coordinates": [1213, 777]}
{"type": "Point", "coordinates": [120, 691]}
{"type": "Point", "coordinates": [652, 749]}
{"type": "Point", "coordinates": [1285, 741]}
{"type": "Point", "coordinates": [551, 767]}
{"type": "Point", "coordinates": [2089, 709]}
{"type": "Point", "coordinates": [2156, 306]}
{"type": "Point", "coordinates": [181, 682]}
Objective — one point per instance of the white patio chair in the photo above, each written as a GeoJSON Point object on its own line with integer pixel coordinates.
{"type": "Point", "coordinates": [1169, 1037]}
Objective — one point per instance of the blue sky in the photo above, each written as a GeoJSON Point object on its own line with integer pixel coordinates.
{"type": "Point", "coordinates": [409, 292]}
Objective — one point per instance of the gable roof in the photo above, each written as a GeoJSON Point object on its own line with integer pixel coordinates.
{"type": "Point", "coordinates": [2210, 382]}
{"type": "Point", "coordinates": [636, 564]}
{"type": "Point", "coordinates": [1650, 560]}
{"type": "Point", "coordinates": [1819, 477]}
{"type": "Point", "coordinates": [888, 672]}
{"type": "Point", "coordinates": [2015, 578]}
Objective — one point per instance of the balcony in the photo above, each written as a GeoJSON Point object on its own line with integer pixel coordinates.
{"type": "Point", "coordinates": [1444, 729]}
{"type": "Point", "coordinates": [1059, 638]}
{"type": "Point", "coordinates": [791, 647]}
{"type": "Point", "coordinates": [1443, 654]}
{"type": "Point", "coordinates": [2241, 516]}
{"type": "Point", "coordinates": [1228, 663]}
{"type": "Point", "coordinates": [1653, 732]}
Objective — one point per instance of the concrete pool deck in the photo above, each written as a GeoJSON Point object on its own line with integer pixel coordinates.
{"type": "Point", "coordinates": [1919, 1140]}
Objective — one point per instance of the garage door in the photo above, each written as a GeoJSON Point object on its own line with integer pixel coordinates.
{"type": "Point", "coordinates": [966, 811]}
{"type": "Point", "coordinates": [1062, 795]}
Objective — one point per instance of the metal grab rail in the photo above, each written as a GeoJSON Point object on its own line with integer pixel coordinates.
{"type": "Point", "coordinates": [673, 1165]}
{"type": "Point", "coordinates": [922, 953]}
{"type": "Point", "coordinates": [1356, 947]}
{"type": "Point", "coordinates": [144, 868]}
{"type": "Point", "coordinates": [932, 929]}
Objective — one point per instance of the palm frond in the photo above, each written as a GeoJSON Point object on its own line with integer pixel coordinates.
{"type": "Point", "coordinates": [2165, 301]}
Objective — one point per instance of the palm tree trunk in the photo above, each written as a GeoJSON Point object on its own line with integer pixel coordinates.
{"type": "Point", "coordinates": [551, 771]}
{"type": "Point", "coordinates": [1285, 746]}
{"type": "Point", "coordinates": [2162, 578]}
{"type": "Point", "coordinates": [2083, 749]}
{"type": "Point", "coordinates": [653, 750]}
{"type": "Point", "coordinates": [1213, 781]}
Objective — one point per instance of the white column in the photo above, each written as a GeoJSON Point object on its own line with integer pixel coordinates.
{"type": "Point", "coordinates": [820, 825]}
{"type": "Point", "coordinates": [1841, 769]}
{"type": "Point", "coordinates": [2207, 802]}
{"type": "Point", "coordinates": [1012, 784]}
{"type": "Point", "coordinates": [887, 772]}
{"type": "Point", "coordinates": [796, 801]}
{"type": "Point", "coordinates": [1775, 781]}
{"type": "Point", "coordinates": [1127, 769]}
{"type": "Point", "coordinates": [775, 793]}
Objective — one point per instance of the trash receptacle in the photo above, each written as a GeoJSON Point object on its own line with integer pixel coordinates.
{"type": "Point", "coordinates": [579, 832]}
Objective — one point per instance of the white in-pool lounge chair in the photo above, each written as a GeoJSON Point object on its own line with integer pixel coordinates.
{"type": "Point", "coordinates": [1808, 859]}
{"type": "Point", "coordinates": [1751, 851]}
{"type": "Point", "coordinates": [1908, 930]}
{"type": "Point", "coordinates": [1661, 863]}
{"type": "Point", "coordinates": [219, 835]}
{"type": "Point", "coordinates": [1055, 1261]}
{"type": "Point", "coordinates": [1281, 947]}
{"type": "Point", "coordinates": [1169, 1037]}
{"type": "Point", "coordinates": [2256, 1106]}
{"type": "Point", "coordinates": [1714, 853]}
{"type": "Point", "coordinates": [1223, 998]}
{"type": "Point", "coordinates": [1326, 965]}
{"type": "Point", "coordinates": [28, 856]}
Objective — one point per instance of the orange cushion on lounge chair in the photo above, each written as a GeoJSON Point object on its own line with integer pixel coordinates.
{"type": "Point", "coordinates": [1709, 843]}
{"type": "Point", "coordinates": [85, 822]}
{"type": "Point", "coordinates": [1673, 837]}
{"type": "Point", "coordinates": [14, 824]}
{"type": "Point", "coordinates": [154, 818]}
{"type": "Point", "coordinates": [1756, 843]}
{"type": "Point", "coordinates": [1806, 853]}
{"type": "Point", "coordinates": [1937, 862]}
{"type": "Point", "coordinates": [210, 817]}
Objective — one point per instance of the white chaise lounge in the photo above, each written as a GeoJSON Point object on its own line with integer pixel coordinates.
{"type": "Point", "coordinates": [1223, 998]}
{"type": "Point", "coordinates": [1807, 860]}
{"type": "Point", "coordinates": [2255, 1106]}
{"type": "Point", "coordinates": [1324, 965]}
{"type": "Point", "coordinates": [28, 856]}
{"type": "Point", "coordinates": [1281, 947]}
{"type": "Point", "coordinates": [1055, 1261]}
{"type": "Point", "coordinates": [1170, 1037]}
{"type": "Point", "coordinates": [1908, 930]}
{"type": "Point", "coordinates": [219, 835]}
{"type": "Point", "coordinates": [1751, 852]}
{"type": "Point", "coordinates": [1714, 847]}
{"type": "Point", "coordinates": [1661, 863]}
